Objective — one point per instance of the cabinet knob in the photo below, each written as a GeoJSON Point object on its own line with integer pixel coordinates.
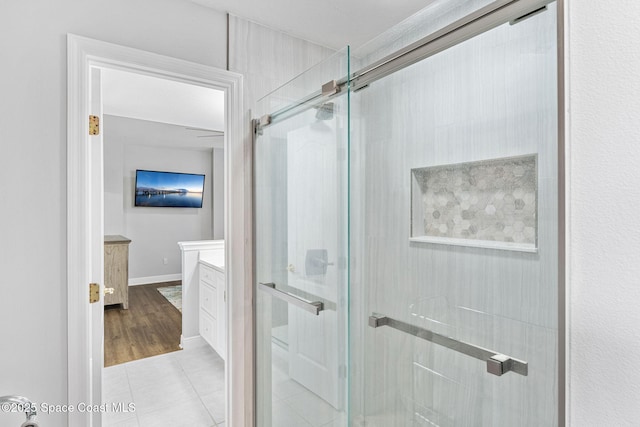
{"type": "Point", "coordinates": [109, 290]}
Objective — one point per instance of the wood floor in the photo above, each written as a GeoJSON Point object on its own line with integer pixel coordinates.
{"type": "Point", "coordinates": [150, 326]}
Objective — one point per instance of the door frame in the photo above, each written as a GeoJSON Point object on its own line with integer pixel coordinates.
{"type": "Point", "coordinates": [82, 55]}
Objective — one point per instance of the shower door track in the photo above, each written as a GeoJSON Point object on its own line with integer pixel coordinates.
{"type": "Point", "coordinates": [493, 15]}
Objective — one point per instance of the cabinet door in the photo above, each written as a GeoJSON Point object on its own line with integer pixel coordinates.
{"type": "Point", "coordinates": [208, 328]}
{"type": "Point", "coordinates": [209, 299]}
{"type": "Point", "coordinates": [116, 273]}
{"type": "Point", "coordinates": [207, 275]}
{"type": "Point", "coordinates": [221, 317]}
{"type": "Point", "coordinates": [212, 309]}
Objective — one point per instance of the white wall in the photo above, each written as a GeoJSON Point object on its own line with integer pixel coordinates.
{"type": "Point", "coordinates": [604, 237]}
{"type": "Point", "coordinates": [33, 295]}
{"type": "Point", "coordinates": [131, 144]}
{"type": "Point", "coordinates": [218, 194]}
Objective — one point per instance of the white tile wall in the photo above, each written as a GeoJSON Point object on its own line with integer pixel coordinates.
{"type": "Point", "coordinates": [281, 401]}
{"type": "Point", "coordinates": [267, 58]}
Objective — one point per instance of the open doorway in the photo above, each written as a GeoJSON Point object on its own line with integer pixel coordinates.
{"type": "Point", "coordinates": [85, 202]}
{"type": "Point", "coordinates": [162, 177]}
{"type": "Point", "coordinates": [160, 137]}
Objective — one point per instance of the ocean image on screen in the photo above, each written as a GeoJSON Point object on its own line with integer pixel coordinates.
{"type": "Point", "coordinates": [168, 189]}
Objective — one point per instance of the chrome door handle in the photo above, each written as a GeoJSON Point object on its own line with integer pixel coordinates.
{"type": "Point", "coordinates": [24, 405]}
{"type": "Point", "coordinates": [497, 363]}
{"type": "Point", "coordinates": [314, 307]}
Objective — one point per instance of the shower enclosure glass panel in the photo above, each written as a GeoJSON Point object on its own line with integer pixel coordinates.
{"type": "Point", "coordinates": [454, 233]}
{"type": "Point", "coordinates": [301, 251]}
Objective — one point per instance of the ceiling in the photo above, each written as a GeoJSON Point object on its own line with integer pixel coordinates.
{"type": "Point", "coordinates": [331, 23]}
{"type": "Point", "coordinates": [159, 100]}
{"type": "Point", "coordinates": [147, 133]}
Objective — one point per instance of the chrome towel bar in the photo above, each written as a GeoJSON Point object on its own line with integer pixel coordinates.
{"type": "Point", "coordinates": [497, 364]}
{"type": "Point", "coordinates": [314, 307]}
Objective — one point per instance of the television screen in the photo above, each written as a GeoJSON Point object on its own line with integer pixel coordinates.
{"type": "Point", "coordinates": [168, 189]}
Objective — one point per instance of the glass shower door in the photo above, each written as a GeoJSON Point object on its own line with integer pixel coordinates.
{"type": "Point", "coordinates": [454, 232]}
{"type": "Point", "coordinates": [301, 234]}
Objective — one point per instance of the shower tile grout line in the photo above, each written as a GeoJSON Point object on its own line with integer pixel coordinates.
{"type": "Point", "coordinates": [215, 423]}
{"type": "Point", "coordinates": [126, 373]}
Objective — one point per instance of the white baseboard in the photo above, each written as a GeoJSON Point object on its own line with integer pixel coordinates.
{"type": "Point", "coordinates": [154, 279]}
{"type": "Point", "coordinates": [192, 342]}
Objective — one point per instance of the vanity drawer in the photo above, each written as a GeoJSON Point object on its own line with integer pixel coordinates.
{"type": "Point", "coordinates": [207, 275]}
{"type": "Point", "coordinates": [212, 307]}
{"type": "Point", "coordinates": [208, 328]}
{"type": "Point", "coordinates": [209, 299]}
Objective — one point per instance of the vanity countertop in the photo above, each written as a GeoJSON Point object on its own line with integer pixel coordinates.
{"type": "Point", "coordinates": [215, 260]}
{"type": "Point", "coordinates": [116, 238]}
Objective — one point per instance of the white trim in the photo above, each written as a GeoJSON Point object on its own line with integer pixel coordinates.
{"type": "Point", "coordinates": [199, 245]}
{"type": "Point", "coordinates": [137, 281]}
{"type": "Point", "coordinates": [82, 55]}
{"type": "Point", "coordinates": [192, 342]}
{"type": "Point", "coordinates": [78, 273]}
{"type": "Point", "coordinates": [486, 244]}
{"type": "Point", "coordinates": [564, 7]}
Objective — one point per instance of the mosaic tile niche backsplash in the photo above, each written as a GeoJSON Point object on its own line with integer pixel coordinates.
{"type": "Point", "coordinates": [488, 203]}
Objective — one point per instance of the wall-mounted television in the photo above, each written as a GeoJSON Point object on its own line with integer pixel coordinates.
{"type": "Point", "coordinates": [168, 189]}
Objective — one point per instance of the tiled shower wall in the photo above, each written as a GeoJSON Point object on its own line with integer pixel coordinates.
{"type": "Point", "coordinates": [491, 97]}
{"type": "Point", "coordinates": [253, 50]}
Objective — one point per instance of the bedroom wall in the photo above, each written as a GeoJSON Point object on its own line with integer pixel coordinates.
{"type": "Point", "coordinates": [131, 144]}
{"type": "Point", "coordinates": [218, 194]}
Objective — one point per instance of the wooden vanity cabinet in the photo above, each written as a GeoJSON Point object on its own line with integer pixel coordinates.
{"type": "Point", "coordinates": [116, 269]}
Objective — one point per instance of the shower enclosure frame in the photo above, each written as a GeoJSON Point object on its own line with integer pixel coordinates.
{"type": "Point", "coordinates": [496, 13]}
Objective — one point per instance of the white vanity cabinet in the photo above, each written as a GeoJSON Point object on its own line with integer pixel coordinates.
{"type": "Point", "coordinates": [212, 311]}
{"type": "Point", "coordinates": [202, 319]}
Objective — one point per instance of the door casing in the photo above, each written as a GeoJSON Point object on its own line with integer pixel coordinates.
{"type": "Point", "coordinates": [83, 54]}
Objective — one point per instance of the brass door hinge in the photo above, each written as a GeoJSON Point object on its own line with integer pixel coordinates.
{"type": "Point", "coordinates": [94, 293]}
{"type": "Point", "coordinates": [94, 125]}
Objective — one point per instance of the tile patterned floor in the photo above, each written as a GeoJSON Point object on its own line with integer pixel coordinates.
{"type": "Point", "coordinates": [183, 388]}
{"type": "Point", "coordinates": [186, 388]}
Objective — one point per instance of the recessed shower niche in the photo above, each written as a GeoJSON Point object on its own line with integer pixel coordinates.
{"type": "Point", "coordinates": [488, 203]}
